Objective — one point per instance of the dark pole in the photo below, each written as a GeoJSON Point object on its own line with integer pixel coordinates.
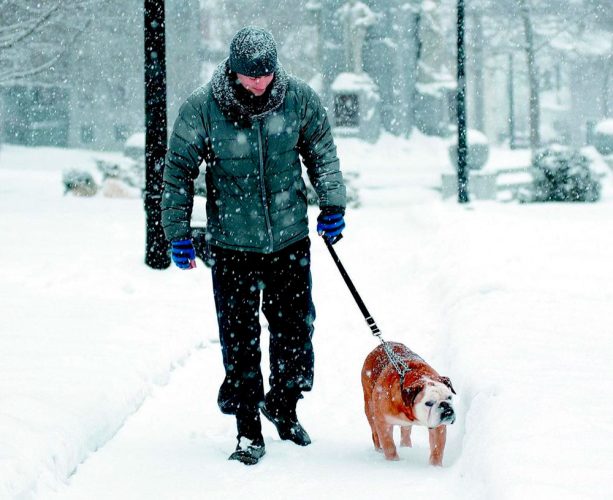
{"type": "Point", "coordinates": [478, 93]}
{"type": "Point", "coordinates": [461, 110]}
{"type": "Point", "coordinates": [511, 104]}
{"type": "Point", "coordinates": [156, 255]}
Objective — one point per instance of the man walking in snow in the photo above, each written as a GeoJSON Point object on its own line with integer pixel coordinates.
{"type": "Point", "coordinates": [251, 124]}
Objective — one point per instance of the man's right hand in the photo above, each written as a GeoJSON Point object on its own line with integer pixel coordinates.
{"type": "Point", "coordinates": [183, 254]}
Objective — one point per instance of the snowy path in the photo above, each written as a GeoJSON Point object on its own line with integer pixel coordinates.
{"type": "Point", "coordinates": [177, 445]}
{"type": "Point", "coordinates": [520, 325]}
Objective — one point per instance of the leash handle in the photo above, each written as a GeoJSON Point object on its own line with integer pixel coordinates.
{"type": "Point", "coordinates": [369, 319]}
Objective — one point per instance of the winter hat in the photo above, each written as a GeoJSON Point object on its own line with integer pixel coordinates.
{"type": "Point", "coordinates": [253, 52]}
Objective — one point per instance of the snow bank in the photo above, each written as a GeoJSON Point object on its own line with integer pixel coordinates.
{"type": "Point", "coordinates": [86, 330]}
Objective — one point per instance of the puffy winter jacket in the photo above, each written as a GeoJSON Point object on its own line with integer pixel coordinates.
{"type": "Point", "coordinates": [256, 197]}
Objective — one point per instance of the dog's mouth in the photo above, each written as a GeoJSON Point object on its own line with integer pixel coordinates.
{"type": "Point", "coordinates": [448, 420]}
{"type": "Point", "coordinates": [447, 413]}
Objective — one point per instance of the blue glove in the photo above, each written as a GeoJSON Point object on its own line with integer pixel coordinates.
{"type": "Point", "coordinates": [183, 254]}
{"type": "Point", "coordinates": [330, 224]}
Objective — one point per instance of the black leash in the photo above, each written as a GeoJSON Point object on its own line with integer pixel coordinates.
{"type": "Point", "coordinates": [369, 319]}
{"type": "Point", "coordinates": [398, 363]}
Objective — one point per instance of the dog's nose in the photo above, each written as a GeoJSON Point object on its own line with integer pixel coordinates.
{"type": "Point", "coordinates": [446, 410]}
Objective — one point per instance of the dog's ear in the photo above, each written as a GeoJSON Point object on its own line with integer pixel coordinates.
{"type": "Point", "coordinates": [447, 382]}
{"type": "Point", "coordinates": [409, 395]}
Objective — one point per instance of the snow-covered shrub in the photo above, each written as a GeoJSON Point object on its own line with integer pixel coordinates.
{"type": "Point", "coordinates": [564, 174]}
{"type": "Point", "coordinates": [134, 147]}
{"type": "Point", "coordinates": [478, 150]}
{"type": "Point", "coordinates": [128, 170]}
{"type": "Point", "coordinates": [603, 137]}
{"type": "Point", "coordinates": [79, 183]}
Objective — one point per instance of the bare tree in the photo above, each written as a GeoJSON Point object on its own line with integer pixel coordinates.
{"type": "Point", "coordinates": [533, 75]}
{"type": "Point", "coordinates": [36, 34]}
{"type": "Point", "coordinates": [606, 86]}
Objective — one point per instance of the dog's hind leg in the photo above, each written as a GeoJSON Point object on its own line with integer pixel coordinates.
{"type": "Point", "coordinates": [405, 436]}
{"type": "Point", "coordinates": [385, 432]}
{"type": "Point", "coordinates": [375, 440]}
{"type": "Point", "coordinates": [375, 436]}
{"type": "Point", "coordinates": [368, 409]}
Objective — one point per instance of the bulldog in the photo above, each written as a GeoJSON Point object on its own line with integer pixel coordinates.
{"type": "Point", "coordinates": [422, 398]}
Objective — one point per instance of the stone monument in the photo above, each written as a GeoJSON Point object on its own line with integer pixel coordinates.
{"type": "Point", "coordinates": [356, 98]}
{"type": "Point", "coordinates": [356, 17]}
{"type": "Point", "coordinates": [435, 85]}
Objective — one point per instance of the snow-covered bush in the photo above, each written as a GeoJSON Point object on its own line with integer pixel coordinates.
{"type": "Point", "coordinates": [564, 174]}
{"type": "Point", "coordinates": [478, 150]}
{"type": "Point", "coordinates": [603, 137]}
{"type": "Point", "coordinates": [127, 170]}
{"type": "Point", "coordinates": [79, 183]}
{"type": "Point", "coordinates": [134, 147]}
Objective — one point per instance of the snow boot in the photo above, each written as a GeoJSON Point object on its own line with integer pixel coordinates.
{"type": "Point", "coordinates": [248, 452]}
{"type": "Point", "coordinates": [287, 424]}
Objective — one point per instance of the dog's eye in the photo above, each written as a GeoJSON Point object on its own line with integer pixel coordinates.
{"type": "Point", "coordinates": [429, 403]}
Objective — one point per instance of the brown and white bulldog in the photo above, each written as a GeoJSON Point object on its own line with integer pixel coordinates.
{"type": "Point", "coordinates": [422, 398]}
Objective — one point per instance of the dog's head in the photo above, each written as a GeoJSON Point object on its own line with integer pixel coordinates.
{"type": "Point", "coordinates": [431, 400]}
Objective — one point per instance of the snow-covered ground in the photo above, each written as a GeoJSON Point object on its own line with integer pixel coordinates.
{"type": "Point", "coordinates": [109, 370]}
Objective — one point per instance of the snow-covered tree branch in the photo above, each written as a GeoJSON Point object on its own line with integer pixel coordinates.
{"type": "Point", "coordinates": [36, 35]}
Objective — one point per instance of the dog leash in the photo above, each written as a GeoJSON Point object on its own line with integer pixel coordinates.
{"type": "Point", "coordinates": [397, 362]}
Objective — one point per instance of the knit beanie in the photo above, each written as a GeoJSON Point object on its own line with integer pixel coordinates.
{"type": "Point", "coordinates": [253, 52]}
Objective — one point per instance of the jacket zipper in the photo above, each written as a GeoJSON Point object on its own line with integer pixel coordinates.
{"type": "Point", "coordinates": [263, 188]}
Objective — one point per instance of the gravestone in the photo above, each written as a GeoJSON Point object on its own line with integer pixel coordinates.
{"type": "Point", "coordinates": [356, 106]}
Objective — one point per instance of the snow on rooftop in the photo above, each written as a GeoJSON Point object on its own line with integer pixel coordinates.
{"type": "Point", "coordinates": [352, 82]}
{"type": "Point", "coordinates": [136, 141]}
{"type": "Point", "coordinates": [605, 127]}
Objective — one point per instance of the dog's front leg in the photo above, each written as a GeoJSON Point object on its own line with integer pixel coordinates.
{"type": "Point", "coordinates": [385, 432]}
{"type": "Point", "coordinates": [438, 436]}
{"type": "Point", "coordinates": [405, 436]}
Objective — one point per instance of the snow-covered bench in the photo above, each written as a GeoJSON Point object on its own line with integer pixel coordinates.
{"type": "Point", "coordinates": [490, 184]}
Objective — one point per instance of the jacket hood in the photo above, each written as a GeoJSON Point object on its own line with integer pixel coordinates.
{"type": "Point", "coordinates": [225, 93]}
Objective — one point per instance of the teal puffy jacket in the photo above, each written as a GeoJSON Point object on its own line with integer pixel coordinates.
{"type": "Point", "coordinates": [256, 197]}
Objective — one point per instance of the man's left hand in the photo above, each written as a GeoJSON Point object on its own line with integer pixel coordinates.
{"type": "Point", "coordinates": [330, 224]}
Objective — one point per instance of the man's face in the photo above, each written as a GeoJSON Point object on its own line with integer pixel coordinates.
{"type": "Point", "coordinates": [255, 84]}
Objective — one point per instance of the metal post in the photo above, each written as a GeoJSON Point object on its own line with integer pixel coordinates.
{"type": "Point", "coordinates": [461, 109]}
{"type": "Point", "coordinates": [477, 68]}
{"type": "Point", "coordinates": [156, 255]}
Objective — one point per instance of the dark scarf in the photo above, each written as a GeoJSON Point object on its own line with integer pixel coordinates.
{"type": "Point", "coordinates": [241, 106]}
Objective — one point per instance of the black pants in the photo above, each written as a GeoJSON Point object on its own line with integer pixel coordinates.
{"type": "Point", "coordinates": [282, 281]}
